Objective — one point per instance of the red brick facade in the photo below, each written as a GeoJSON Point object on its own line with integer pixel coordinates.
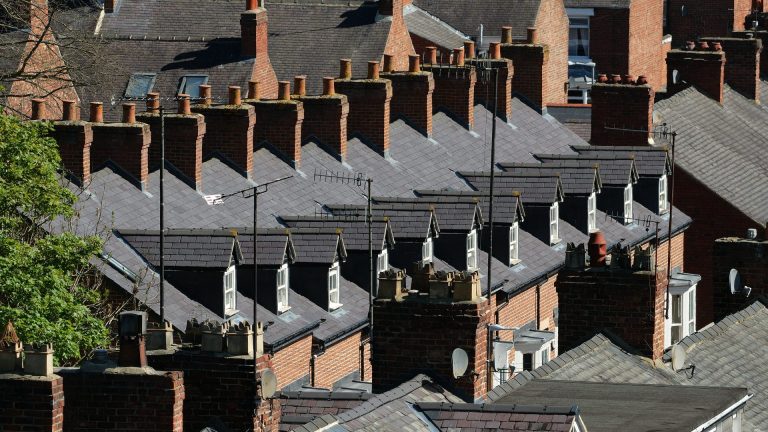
{"type": "Point", "coordinates": [337, 361]}
{"type": "Point", "coordinates": [412, 99]}
{"type": "Point", "coordinates": [742, 65]}
{"type": "Point", "coordinates": [30, 403]}
{"type": "Point", "coordinates": [750, 259]}
{"type": "Point", "coordinates": [325, 119]}
{"type": "Point", "coordinates": [279, 124]}
{"type": "Point", "coordinates": [398, 42]}
{"type": "Point", "coordinates": [552, 31]}
{"type": "Point", "coordinates": [75, 140]}
{"type": "Point", "coordinates": [127, 145]}
{"type": "Point", "coordinates": [254, 27]}
{"type": "Point", "coordinates": [454, 92]}
{"type": "Point", "coordinates": [229, 131]}
{"type": "Point", "coordinates": [292, 361]}
{"type": "Point", "coordinates": [184, 136]}
{"type": "Point", "coordinates": [369, 110]}
{"type": "Point", "coordinates": [636, 114]}
{"type": "Point", "coordinates": [689, 20]}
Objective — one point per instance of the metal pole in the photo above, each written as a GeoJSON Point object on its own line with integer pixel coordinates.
{"type": "Point", "coordinates": [255, 288]}
{"type": "Point", "coordinates": [671, 200]}
{"type": "Point", "coordinates": [372, 268]}
{"type": "Point", "coordinates": [490, 206]}
{"type": "Point", "coordinates": [162, 216]}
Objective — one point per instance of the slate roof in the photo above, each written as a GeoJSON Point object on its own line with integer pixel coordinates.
{"type": "Point", "coordinates": [544, 189]}
{"type": "Point", "coordinates": [493, 14]}
{"type": "Point", "coordinates": [275, 246]}
{"type": "Point", "coordinates": [186, 248]}
{"type": "Point", "coordinates": [300, 407]}
{"type": "Point", "coordinates": [454, 213]}
{"type": "Point", "coordinates": [576, 177]}
{"type": "Point", "coordinates": [631, 407]}
{"type": "Point", "coordinates": [425, 25]}
{"type": "Point", "coordinates": [649, 161]}
{"type": "Point", "coordinates": [464, 417]}
{"type": "Point", "coordinates": [507, 206]}
{"type": "Point", "coordinates": [318, 245]}
{"type": "Point", "coordinates": [414, 221]}
{"type": "Point", "coordinates": [354, 230]}
{"type": "Point", "coordinates": [729, 353]}
{"type": "Point", "coordinates": [609, 4]}
{"type": "Point", "coordinates": [577, 119]}
{"type": "Point", "coordinates": [712, 136]}
{"type": "Point", "coordinates": [613, 171]}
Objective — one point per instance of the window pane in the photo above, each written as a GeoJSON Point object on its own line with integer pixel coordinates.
{"type": "Point", "coordinates": [692, 305]}
{"type": "Point", "coordinates": [139, 85]}
{"type": "Point", "coordinates": [677, 309]}
{"type": "Point", "coordinates": [676, 330]}
{"type": "Point", "coordinates": [578, 42]}
{"type": "Point", "coordinates": [190, 85]}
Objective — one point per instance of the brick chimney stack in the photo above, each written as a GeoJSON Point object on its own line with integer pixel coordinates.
{"type": "Point", "coordinates": [280, 123]}
{"type": "Point", "coordinates": [39, 19]}
{"type": "Point", "coordinates": [454, 87]}
{"type": "Point", "coordinates": [412, 95]}
{"type": "Point", "coordinates": [505, 69]}
{"type": "Point", "coordinates": [74, 139]}
{"type": "Point", "coordinates": [623, 104]}
{"type": "Point", "coordinates": [325, 118]}
{"type": "Point", "coordinates": [125, 144]}
{"type": "Point", "coordinates": [742, 66]}
{"type": "Point", "coordinates": [254, 31]}
{"type": "Point", "coordinates": [697, 65]}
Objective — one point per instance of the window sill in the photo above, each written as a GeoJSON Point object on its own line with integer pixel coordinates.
{"type": "Point", "coordinates": [555, 241]}
{"type": "Point", "coordinates": [283, 309]}
{"type": "Point", "coordinates": [230, 312]}
{"type": "Point", "coordinates": [333, 306]}
{"type": "Point", "coordinates": [514, 262]}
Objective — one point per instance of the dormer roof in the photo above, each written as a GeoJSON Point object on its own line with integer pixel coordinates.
{"type": "Point", "coordinates": [187, 248]}
{"type": "Point", "coordinates": [614, 171]}
{"type": "Point", "coordinates": [544, 189]}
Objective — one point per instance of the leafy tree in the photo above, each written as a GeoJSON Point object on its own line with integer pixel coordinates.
{"type": "Point", "coordinates": [44, 276]}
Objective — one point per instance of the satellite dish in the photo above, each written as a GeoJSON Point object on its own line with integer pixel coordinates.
{"type": "Point", "coordinates": [460, 362]}
{"type": "Point", "coordinates": [678, 357]}
{"type": "Point", "coordinates": [734, 281]}
{"type": "Point", "coordinates": [268, 383]}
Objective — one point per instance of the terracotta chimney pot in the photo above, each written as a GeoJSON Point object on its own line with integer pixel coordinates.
{"type": "Point", "coordinates": [153, 102]}
{"type": "Point", "coordinates": [284, 90]}
{"type": "Point", "coordinates": [532, 36]}
{"type": "Point", "coordinates": [469, 49]}
{"type": "Point", "coordinates": [205, 94]}
{"type": "Point", "coordinates": [234, 95]}
{"type": "Point", "coordinates": [432, 55]}
{"type": "Point", "coordinates": [495, 50]}
{"type": "Point", "coordinates": [129, 113]}
{"type": "Point", "coordinates": [97, 112]}
{"type": "Point", "coordinates": [458, 56]}
{"type": "Point", "coordinates": [373, 70]}
{"type": "Point", "coordinates": [597, 249]}
{"type": "Point", "coordinates": [38, 109]}
{"type": "Point", "coordinates": [184, 105]}
{"type": "Point", "coordinates": [329, 89]}
{"type": "Point", "coordinates": [414, 63]}
{"type": "Point", "coordinates": [68, 110]}
{"type": "Point", "coordinates": [300, 85]}
{"type": "Point", "coordinates": [253, 90]}
{"type": "Point", "coordinates": [506, 35]}
{"type": "Point", "coordinates": [345, 69]}
{"type": "Point", "coordinates": [388, 62]}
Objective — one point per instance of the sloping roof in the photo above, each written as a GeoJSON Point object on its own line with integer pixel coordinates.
{"type": "Point", "coordinates": [275, 246]}
{"type": "Point", "coordinates": [486, 417]}
{"type": "Point", "coordinates": [544, 189]}
{"type": "Point", "coordinates": [610, 4]}
{"type": "Point", "coordinates": [631, 407]}
{"type": "Point", "coordinates": [185, 248]}
{"type": "Point", "coordinates": [318, 245]}
{"type": "Point", "coordinates": [577, 177]}
{"type": "Point", "coordinates": [454, 213]}
{"type": "Point", "coordinates": [301, 407]}
{"type": "Point", "coordinates": [415, 221]}
{"type": "Point", "coordinates": [649, 161]}
{"type": "Point", "coordinates": [354, 230]}
{"type": "Point", "coordinates": [711, 136]}
{"type": "Point", "coordinates": [423, 24]}
{"type": "Point", "coordinates": [492, 14]}
{"type": "Point", "coordinates": [614, 171]}
{"type": "Point", "coordinates": [507, 206]}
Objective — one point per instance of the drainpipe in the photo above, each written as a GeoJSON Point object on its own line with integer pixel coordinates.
{"type": "Point", "coordinates": [312, 362]}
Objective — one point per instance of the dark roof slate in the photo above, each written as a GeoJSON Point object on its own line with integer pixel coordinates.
{"type": "Point", "coordinates": [409, 221]}
{"type": "Point", "coordinates": [576, 177]}
{"type": "Point", "coordinates": [609, 4]}
{"type": "Point", "coordinates": [544, 189]}
{"type": "Point", "coordinates": [486, 417]}
{"type": "Point", "coordinates": [454, 213]}
{"type": "Point", "coordinates": [649, 161]}
{"type": "Point", "coordinates": [613, 171]}
{"type": "Point", "coordinates": [354, 230]}
{"type": "Point", "coordinates": [318, 245]}
{"type": "Point", "coordinates": [185, 248]}
{"type": "Point", "coordinates": [425, 25]}
{"type": "Point", "coordinates": [492, 14]}
{"type": "Point", "coordinates": [507, 206]}
{"type": "Point", "coordinates": [275, 246]}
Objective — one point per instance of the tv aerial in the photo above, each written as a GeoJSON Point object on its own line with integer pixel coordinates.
{"type": "Point", "coordinates": [459, 362]}
{"type": "Point", "coordinates": [736, 285]}
{"type": "Point", "coordinates": [268, 383]}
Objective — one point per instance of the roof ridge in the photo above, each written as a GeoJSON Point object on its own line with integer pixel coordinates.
{"type": "Point", "coordinates": [383, 398]}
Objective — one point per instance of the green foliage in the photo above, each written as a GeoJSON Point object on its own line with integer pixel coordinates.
{"type": "Point", "coordinates": [43, 276]}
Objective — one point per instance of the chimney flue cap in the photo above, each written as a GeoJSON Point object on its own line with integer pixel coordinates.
{"type": "Point", "coordinates": [97, 112]}
{"type": "Point", "coordinates": [153, 101]}
{"type": "Point", "coordinates": [629, 79]}
{"type": "Point", "coordinates": [389, 61]}
{"type": "Point", "coordinates": [458, 56]}
{"type": "Point", "coordinates": [345, 69]}
{"type": "Point", "coordinates": [253, 90]}
{"type": "Point", "coordinates": [432, 55]}
{"type": "Point", "coordinates": [703, 46]}
{"type": "Point", "coordinates": [469, 49]}
{"type": "Point", "coordinates": [284, 90]}
{"type": "Point", "coordinates": [602, 78]}
{"type": "Point", "coordinates": [373, 70]}
{"type": "Point", "coordinates": [690, 45]}
{"type": "Point", "coordinates": [532, 37]}
{"type": "Point", "coordinates": [495, 50]}
{"type": "Point", "coordinates": [506, 34]}
{"type": "Point", "coordinates": [642, 80]}
{"type": "Point", "coordinates": [253, 4]}
{"type": "Point", "coordinates": [205, 94]}
{"type": "Point", "coordinates": [615, 79]}
{"type": "Point", "coordinates": [129, 113]}
{"type": "Point", "coordinates": [234, 94]}
{"type": "Point", "coordinates": [300, 85]}
{"type": "Point", "coordinates": [184, 105]}
{"type": "Point", "coordinates": [38, 109]}
{"type": "Point", "coordinates": [329, 86]}
{"type": "Point", "coordinates": [68, 110]}
{"type": "Point", "coordinates": [716, 46]}
{"type": "Point", "coordinates": [414, 63]}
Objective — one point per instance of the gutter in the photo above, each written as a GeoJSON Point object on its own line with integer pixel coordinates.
{"type": "Point", "coordinates": [728, 411]}
{"type": "Point", "coordinates": [281, 343]}
{"type": "Point", "coordinates": [339, 336]}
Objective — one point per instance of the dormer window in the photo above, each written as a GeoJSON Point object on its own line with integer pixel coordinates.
{"type": "Point", "coordinates": [427, 251]}
{"type": "Point", "coordinates": [554, 224]}
{"type": "Point", "coordinates": [682, 316]}
{"type": "Point", "coordinates": [472, 250]}
{"type": "Point", "coordinates": [514, 232]}
{"type": "Point", "coordinates": [139, 85]}
{"type": "Point", "coordinates": [190, 85]}
{"type": "Point", "coordinates": [230, 291]}
{"type": "Point", "coordinates": [333, 287]}
{"type": "Point", "coordinates": [663, 203]}
{"type": "Point", "coordinates": [592, 212]}
{"type": "Point", "coordinates": [282, 288]}
{"type": "Point", "coordinates": [628, 205]}
{"type": "Point", "coordinates": [382, 262]}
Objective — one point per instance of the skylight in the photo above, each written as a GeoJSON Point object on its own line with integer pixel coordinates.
{"type": "Point", "coordinates": [190, 85]}
{"type": "Point", "coordinates": [139, 85]}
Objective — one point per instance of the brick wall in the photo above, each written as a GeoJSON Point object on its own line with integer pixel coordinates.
{"type": "Point", "coordinates": [614, 299]}
{"type": "Point", "coordinates": [31, 403]}
{"type": "Point", "coordinates": [552, 30]}
{"type": "Point", "coordinates": [367, 373]}
{"type": "Point", "coordinates": [678, 252]}
{"type": "Point", "coordinates": [411, 337]}
{"type": "Point", "coordinates": [742, 66]}
{"type": "Point", "coordinates": [702, 68]}
{"type": "Point", "coordinates": [714, 217]}
{"type": "Point", "coordinates": [636, 102]}
{"type": "Point", "coordinates": [254, 26]}
{"type": "Point", "coordinates": [292, 361]}
{"type": "Point", "coordinates": [127, 145]}
{"type": "Point", "coordinates": [412, 99]}
{"type": "Point", "coordinates": [484, 91]}
{"type": "Point", "coordinates": [75, 140]}
{"type": "Point", "coordinates": [645, 34]}
{"type": "Point", "coordinates": [279, 124]}
{"type": "Point", "coordinates": [749, 257]}
{"type": "Point", "coordinates": [420, 46]}
{"type": "Point", "coordinates": [762, 35]}
{"type": "Point", "coordinates": [369, 110]}
{"type": "Point", "coordinates": [454, 92]}
{"type": "Point", "coordinates": [399, 42]}
{"type": "Point", "coordinates": [338, 361]}
{"type": "Point", "coordinates": [183, 143]}
{"type": "Point", "coordinates": [609, 45]}
{"type": "Point", "coordinates": [325, 119]}
{"type": "Point", "coordinates": [530, 79]}
{"type": "Point", "coordinates": [123, 399]}
{"type": "Point", "coordinates": [705, 18]}
{"type": "Point", "coordinates": [229, 131]}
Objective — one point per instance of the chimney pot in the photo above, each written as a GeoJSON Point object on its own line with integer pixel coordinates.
{"type": "Point", "coordinates": [300, 85]}
{"type": "Point", "coordinates": [253, 90]}
{"type": "Point", "coordinates": [642, 80]}
{"type": "Point", "coordinates": [345, 69]}
{"type": "Point", "coordinates": [458, 56]}
{"type": "Point", "coordinates": [469, 49]}
{"type": "Point", "coordinates": [717, 46]}
{"type": "Point", "coordinates": [109, 6]}
{"type": "Point", "coordinates": [184, 104]}
{"type": "Point", "coordinates": [532, 35]}
{"type": "Point", "coordinates": [373, 70]}
{"type": "Point", "coordinates": [703, 46]}
{"type": "Point", "coordinates": [414, 63]}
{"type": "Point", "coordinates": [38, 109]}
{"type": "Point", "coordinates": [205, 94]}
{"type": "Point", "coordinates": [129, 113]}
{"type": "Point", "coordinates": [284, 90]}
{"type": "Point", "coordinates": [153, 102]}
{"type": "Point", "coordinates": [506, 35]}
{"type": "Point", "coordinates": [97, 112]}
{"type": "Point", "coordinates": [495, 50]}
{"type": "Point", "coordinates": [329, 89]}
{"type": "Point", "coordinates": [68, 110]}
{"type": "Point", "coordinates": [690, 45]}
{"type": "Point", "coordinates": [629, 79]}
{"type": "Point", "coordinates": [432, 55]}
{"type": "Point", "coordinates": [251, 4]}
{"type": "Point", "coordinates": [234, 95]}
{"type": "Point", "coordinates": [597, 249]}
{"type": "Point", "coordinates": [602, 78]}
{"type": "Point", "coordinates": [615, 79]}
{"type": "Point", "coordinates": [388, 62]}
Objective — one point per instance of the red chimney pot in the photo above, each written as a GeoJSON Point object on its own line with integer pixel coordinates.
{"type": "Point", "coordinates": [458, 56]}
{"type": "Point", "coordinates": [184, 104]}
{"type": "Point", "coordinates": [703, 46]}
{"type": "Point", "coordinates": [373, 70]}
{"type": "Point", "coordinates": [602, 78]}
{"type": "Point", "coordinates": [469, 49]}
{"type": "Point", "coordinates": [234, 95]}
{"type": "Point", "coordinates": [414, 63]}
{"type": "Point", "coordinates": [253, 90]}
{"type": "Point", "coordinates": [97, 112]}
{"type": "Point", "coordinates": [432, 55]}
{"type": "Point", "coordinates": [205, 94]}
{"type": "Point", "coordinates": [284, 90]}
{"type": "Point", "coordinates": [597, 249]}
{"type": "Point", "coordinates": [68, 110]}
{"type": "Point", "coordinates": [532, 37]}
{"type": "Point", "coordinates": [300, 85]}
{"type": "Point", "coordinates": [388, 62]}
{"type": "Point", "coordinates": [345, 69]}
{"type": "Point", "coordinates": [329, 89]}
{"type": "Point", "coordinates": [495, 50]}
{"type": "Point", "coordinates": [129, 113]}
{"type": "Point", "coordinates": [38, 109]}
{"type": "Point", "coordinates": [153, 102]}
{"type": "Point", "coordinates": [506, 35]}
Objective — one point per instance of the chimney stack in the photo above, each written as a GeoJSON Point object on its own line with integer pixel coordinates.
{"type": "Point", "coordinates": [454, 87]}
{"type": "Point", "coordinates": [700, 67]}
{"type": "Point", "coordinates": [505, 69]}
{"type": "Point", "coordinates": [412, 96]}
{"type": "Point", "coordinates": [325, 119]}
{"type": "Point", "coordinates": [280, 123]}
{"type": "Point", "coordinates": [125, 144]}
{"type": "Point", "coordinates": [369, 102]}
{"type": "Point", "coordinates": [742, 65]}
{"type": "Point", "coordinates": [254, 32]}
{"type": "Point", "coordinates": [38, 109]}
{"type": "Point", "coordinates": [635, 99]}
{"type": "Point", "coordinates": [74, 139]}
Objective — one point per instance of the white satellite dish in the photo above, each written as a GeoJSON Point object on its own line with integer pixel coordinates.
{"type": "Point", "coordinates": [460, 362]}
{"type": "Point", "coordinates": [268, 383]}
{"type": "Point", "coordinates": [678, 357]}
{"type": "Point", "coordinates": [734, 281]}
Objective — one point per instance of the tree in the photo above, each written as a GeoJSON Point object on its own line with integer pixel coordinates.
{"type": "Point", "coordinates": [45, 284]}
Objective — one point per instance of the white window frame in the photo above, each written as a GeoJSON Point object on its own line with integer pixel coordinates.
{"type": "Point", "coordinates": [514, 244]}
{"type": "Point", "coordinates": [427, 251]}
{"type": "Point", "coordinates": [472, 250]}
{"type": "Point", "coordinates": [382, 261]}
{"type": "Point", "coordinates": [283, 282]}
{"type": "Point", "coordinates": [592, 212]}
{"type": "Point", "coordinates": [554, 224]}
{"type": "Point", "coordinates": [229, 282]}
{"type": "Point", "coordinates": [683, 318]}
{"type": "Point", "coordinates": [663, 192]}
{"type": "Point", "coordinates": [584, 14]}
{"type": "Point", "coordinates": [628, 207]}
{"type": "Point", "coordinates": [334, 287]}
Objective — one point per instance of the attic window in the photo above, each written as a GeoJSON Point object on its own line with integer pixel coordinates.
{"type": "Point", "coordinates": [382, 264]}
{"type": "Point", "coordinates": [628, 205]}
{"type": "Point", "coordinates": [663, 203]}
{"type": "Point", "coordinates": [592, 212]}
{"type": "Point", "coordinates": [190, 85]}
{"type": "Point", "coordinates": [427, 251]}
{"type": "Point", "coordinates": [139, 85]}
{"type": "Point", "coordinates": [282, 288]}
{"type": "Point", "coordinates": [554, 224]}
{"type": "Point", "coordinates": [230, 291]}
{"type": "Point", "coordinates": [514, 232]}
{"type": "Point", "coordinates": [333, 287]}
{"type": "Point", "coordinates": [472, 250]}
